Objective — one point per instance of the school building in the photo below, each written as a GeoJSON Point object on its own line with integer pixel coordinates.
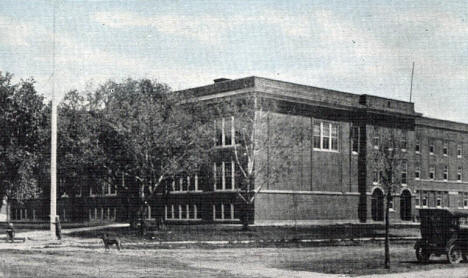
{"type": "Point", "coordinates": [331, 175]}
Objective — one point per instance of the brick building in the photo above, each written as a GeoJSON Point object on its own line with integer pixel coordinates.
{"type": "Point", "coordinates": [331, 176]}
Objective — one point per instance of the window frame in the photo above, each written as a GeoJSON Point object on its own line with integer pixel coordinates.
{"type": "Point", "coordinates": [445, 173]}
{"type": "Point", "coordinates": [331, 139]}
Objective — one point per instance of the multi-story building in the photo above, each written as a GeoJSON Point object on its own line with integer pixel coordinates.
{"type": "Point", "coordinates": [331, 172]}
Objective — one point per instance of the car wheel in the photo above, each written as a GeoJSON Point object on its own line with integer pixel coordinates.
{"type": "Point", "coordinates": [422, 254]}
{"type": "Point", "coordinates": [454, 254]}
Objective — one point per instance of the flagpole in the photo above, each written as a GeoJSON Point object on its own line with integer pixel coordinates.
{"type": "Point", "coordinates": [53, 146]}
{"type": "Point", "coordinates": [411, 88]}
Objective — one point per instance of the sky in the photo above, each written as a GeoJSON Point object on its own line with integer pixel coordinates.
{"type": "Point", "coordinates": [362, 47]}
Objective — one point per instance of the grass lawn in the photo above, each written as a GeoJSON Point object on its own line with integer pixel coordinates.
{"type": "Point", "coordinates": [260, 233]}
{"type": "Point", "coordinates": [69, 261]}
{"type": "Point", "coordinates": [362, 259]}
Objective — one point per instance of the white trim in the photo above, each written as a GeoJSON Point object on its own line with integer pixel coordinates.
{"type": "Point", "coordinates": [271, 191]}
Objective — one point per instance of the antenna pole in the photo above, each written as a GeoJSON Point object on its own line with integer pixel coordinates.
{"type": "Point", "coordinates": [411, 87]}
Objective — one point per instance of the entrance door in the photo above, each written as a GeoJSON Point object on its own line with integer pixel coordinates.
{"type": "Point", "coordinates": [377, 205]}
{"type": "Point", "coordinates": [405, 205]}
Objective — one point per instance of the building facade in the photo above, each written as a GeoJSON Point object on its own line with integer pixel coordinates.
{"type": "Point", "coordinates": [330, 173]}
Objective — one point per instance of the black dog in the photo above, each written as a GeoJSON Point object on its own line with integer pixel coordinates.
{"type": "Point", "coordinates": [109, 241]}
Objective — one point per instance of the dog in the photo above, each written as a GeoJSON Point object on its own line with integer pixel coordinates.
{"type": "Point", "coordinates": [111, 240]}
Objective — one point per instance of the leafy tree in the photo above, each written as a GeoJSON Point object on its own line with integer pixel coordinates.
{"type": "Point", "coordinates": [149, 135]}
{"type": "Point", "coordinates": [389, 162]}
{"type": "Point", "coordinates": [22, 121]}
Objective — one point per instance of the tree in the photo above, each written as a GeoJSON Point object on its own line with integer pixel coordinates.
{"type": "Point", "coordinates": [389, 164]}
{"type": "Point", "coordinates": [22, 121]}
{"type": "Point", "coordinates": [255, 140]}
{"type": "Point", "coordinates": [149, 135]}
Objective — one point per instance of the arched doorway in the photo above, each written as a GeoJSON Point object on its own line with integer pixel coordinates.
{"type": "Point", "coordinates": [377, 205]}
{"type": "Point", "coordinates": [405, 205]}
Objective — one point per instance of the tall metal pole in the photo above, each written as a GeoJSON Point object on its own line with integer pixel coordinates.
{"type": "Point", "coordinates": [53, 146]}
{"type": "Point", "coordinates": [411, 88]}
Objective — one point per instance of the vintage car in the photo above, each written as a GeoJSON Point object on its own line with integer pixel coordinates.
{"type": "Point", "coordinates": [442, 232]}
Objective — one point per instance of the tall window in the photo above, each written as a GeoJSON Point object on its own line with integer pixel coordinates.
{"type": "Point", "coordinates": [459, 151]}
{"type": "Point", "coordinates": [417, 172]}
{"type": "Point", "coordinates": [218, 176]}
{"type": "Point", "coordinates": [431, 147]}
{"type": "Point", "coordinates": [445, 149]}
{"type": "Point", "coordinates": [417, 200]}
{"type": "Point", "coordinates": [403, 143]}
{"type": "Point", "coordinates": [317, 132]}
{"type": "Point", "coordinates": [223, 211]}
{"type": "Point", "coordinates": [431, 172]}
{"type": "Point", "coordinates": [325, 136]}
{"type": "Point", "coordinates": [376, 142]}
{"type": "Point", "coordinates": [417, 146]}
{"type": "Point", "coordinates": [228, 131]}
{"type": "Point", "coordinates": [355, 139]}
{"type": "Point", "coordinates": [404, 172]}
{"type": "Point", "coordinates": [224, 175]}
{"type": "Point", "coordinates": [224, 131]}
{"type": "Point", "coordinates": [459, 173]}
{"type": "Point", "coordinates": [445, 175]}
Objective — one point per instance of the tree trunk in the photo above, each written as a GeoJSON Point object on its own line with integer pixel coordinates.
{"type": "Point", "coordinates": [387, 225]}
{"type": "Point", "coordinates": [245, 217]}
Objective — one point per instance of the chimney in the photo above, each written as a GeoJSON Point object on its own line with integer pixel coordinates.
{"type": "Point", "coordinates": [222, 79]}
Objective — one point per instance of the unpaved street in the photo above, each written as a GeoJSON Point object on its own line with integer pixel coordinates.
{"type": "Point", "coordinates": [75, 257]}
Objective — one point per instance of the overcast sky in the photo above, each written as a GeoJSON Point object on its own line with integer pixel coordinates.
{"type": "Point", "coordinates": [353, 46]}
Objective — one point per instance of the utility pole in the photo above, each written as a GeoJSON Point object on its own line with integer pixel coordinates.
{"type": "Point", "coordinates": [53, 145]}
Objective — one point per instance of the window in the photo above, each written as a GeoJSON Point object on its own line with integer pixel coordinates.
{"type": "Point", "coordinates": [91, 191]}
{"type": "Point", "coordinates": [438, 202]}
{"type": "Point", "coordinates": [224, 175]}
{"type": "Point", "coordinates": [431, 148]}
{"type": "Point", "coordinates": [355, 139]}
{"type": "Point", "coordinates": [223, 211]}
{"type": "Point", "coordinates": [417, 173]}
{"type": "Point", "coordinates": [417, 147]}
{"type": "Point", "coordinates": [228, 131]}
{"type": "Point", "coordinates": [417, 200]}
{"type": "Point", "coordinates": [424, 201]}
{"type": "Point", "coordinates": [445, 175]}
{"type": "Point", "coordinates": [78, 192]}
{"type": "Point", "coordinates": [184, 183]}
{"type": "Point", "coordinates": [317, 132]}
{"type": "Point", "coordinates": [181, 212]}
{"type": "Point", "coordinates": [459, 151]}
{"type": "Point", "coordinates": [110, 190]}
{"type": "Point", "coordinates": [228, 175]}
{"type": "Point", "coordinates": [404, 172]}
{"type": "Point", "coordinates": [403, 143]}
{"type": "Point", "coordinates": [325, 136]}
{"type": "Point", "coordinates": [465, 203]}
{"type": "Point", "coordinates": [334, 137]}
{"type": "Point", "coordinates": [224, 135]}
{"type": "Point", "coordinates": [445, 149]}
{"type": "Point", "coordinates": [218, 175]}
{"type": "Point", "coordinates": [431, 172]}
{"type": "Point", "coordinates": [376, 142]}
